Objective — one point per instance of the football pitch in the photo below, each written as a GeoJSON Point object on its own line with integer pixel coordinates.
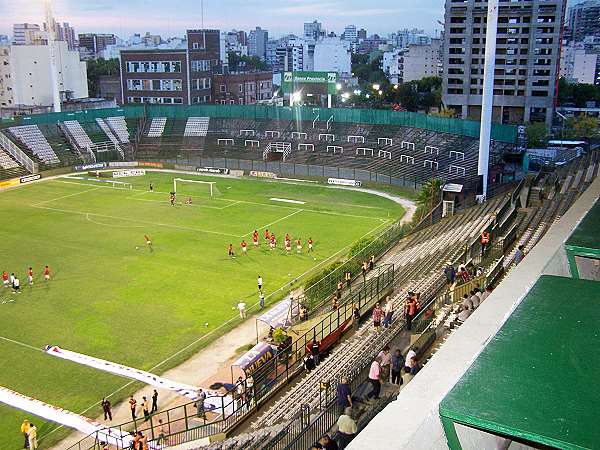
{"type": "Point", "coordinates": [114, 297]}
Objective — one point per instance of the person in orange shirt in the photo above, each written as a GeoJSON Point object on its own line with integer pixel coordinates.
{"type": "Point", "coordinates": [5, 279]}
{"type": "Point", "coordinates": [244, 247]}
{"type": "Point", "coordinates": [298, 246]}
{"type": "Point", "coordinates": [310, 245]}
{"type": "Point", "coordinates": [230, 250]}
{"type": "Point", "coordinates": [46, 273]}
{"type": "Point", "coordinates": [30, 276]}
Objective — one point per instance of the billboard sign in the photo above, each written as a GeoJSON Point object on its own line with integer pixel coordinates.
{"type": "Point", "coordinates": [293, 81]}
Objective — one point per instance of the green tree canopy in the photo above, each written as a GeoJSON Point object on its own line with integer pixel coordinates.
{"type": "Point", "coordinates": [98, 68]}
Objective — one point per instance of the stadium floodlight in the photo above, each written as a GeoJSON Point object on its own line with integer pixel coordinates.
{"type": "Point", "coordinates": [296, 96]}
{"type": "Point", "coordinates": [338, 86]}
{"type": "Point", "coordinates": [380, 92]}
{"type": "Point", "coordinates": [376, 86]}
{"type": "Point", "coordinates": [346, 95]}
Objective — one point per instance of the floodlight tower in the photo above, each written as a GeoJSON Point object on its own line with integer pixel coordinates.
{"type": "Point", "coordinates": [488, 94]}
{"type": "Point", "coordinates": [50, 24]}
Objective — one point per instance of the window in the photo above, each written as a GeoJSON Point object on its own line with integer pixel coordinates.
{"type": "Point", "coordinates": [201, 65]}
{"type": "Point", "coordinates": [222, 88]}
{"type": "Point", "coordinates": [153, 66]}
{"type": "Point", "coordinates": [241, 88]}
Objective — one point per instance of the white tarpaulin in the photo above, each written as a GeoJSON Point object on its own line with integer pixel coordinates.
{"type": "Point", "coordinates": [81, 423]}
{"type": "Point", "coordinates": [214, 399]}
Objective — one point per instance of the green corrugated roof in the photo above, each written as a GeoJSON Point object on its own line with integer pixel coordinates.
{"type": "Point", "coordinates": [538, 377]}
{"type": "Point", "coordinates": [587, 234]}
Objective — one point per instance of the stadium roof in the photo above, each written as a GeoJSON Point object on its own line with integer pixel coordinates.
{"type": "Point", "coordinates": [586, 235]}
{"type": "Point", "coordinates": [537, 378]}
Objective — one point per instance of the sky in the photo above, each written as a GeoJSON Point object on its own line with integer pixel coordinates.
{"type": "Point", "coordinates": [173, 17]}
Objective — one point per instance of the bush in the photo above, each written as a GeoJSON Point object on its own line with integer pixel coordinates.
{"type": "Point", "coordinates": [359, 246]}
{"type": "Point", "coordinates": [279, 336]}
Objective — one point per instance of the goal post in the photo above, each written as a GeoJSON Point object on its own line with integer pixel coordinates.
{"type": "Point", "coordinates": [212, 188]}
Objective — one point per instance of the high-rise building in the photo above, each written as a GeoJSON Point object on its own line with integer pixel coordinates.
{"type": "Point", "coordinates": [527, 58]}
{"type": "Point", "coordinates": [204, 47]}
{"type": "Point", "coordinates": [30, 83]}
{"type": "Point", "coordinates": [313, 30]}
{"type": "Point", "coordinates": [332, 55]}
{"type": "Point", "coordinates": [25, 33]}
{"type": "Point", "coordinates": [350, 33]}
{"type": "Point", "coordinates": [66, 33]}
{"type": "Point", "coordinates": [257, 43]}
{"type": "Point", "coordinates": [93, 43]}
{"type": "Point", "coordinates": [584, 20]}
{"type": "Point", "coordinates": [361, 34]}
{"type": "Point", "coordinates": [413, 62]}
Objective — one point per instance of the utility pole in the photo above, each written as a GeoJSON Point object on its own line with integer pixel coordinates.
{"type": "Point", "coordinates": [488, 94]}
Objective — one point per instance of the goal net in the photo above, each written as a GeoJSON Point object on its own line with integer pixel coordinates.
{"type": "Point", "coordinates": [195, 188]}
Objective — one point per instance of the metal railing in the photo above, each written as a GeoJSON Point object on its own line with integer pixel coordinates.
{"type": "Point", "coordinates": [11, 148]}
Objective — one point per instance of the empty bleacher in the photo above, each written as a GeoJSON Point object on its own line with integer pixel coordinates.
{"type": "Point", "coordinates": [81, 138]}
{"type": "Point", "coordinates": [196, 126]}
{"type": "Point", "coordinates": [157, 126]}
{"type": "Point", "coordinates": [32, 138]}
{"type": "Point", "coordinates": [119, 127]}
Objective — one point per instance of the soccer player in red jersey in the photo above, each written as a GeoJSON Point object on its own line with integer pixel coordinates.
{"type": "Point", "coordinates": [298, 246]}
{"type": "Point", "coordinates": [30, 276]}
{"type": "Point", "coordinates": [5, 280]}
{"type": "Point", "coordinates": [273, 241]}
{"type": "Point", "coordinates": [287, 237]}
{"type": "Point", "coordinates": [230, 250]}
{"type": "Point", "coordinates": [244, 246]}
{"type": "Point", "coordinates": [288, 245]}
{"type": "Point", "coordinates": [255, 238]}
{"type": "Point", "coordinates": [46, 273]}
{"type": "Point", "coordinates": [267, 235]}
{"type": "Point", "coordinates": [310, 245]}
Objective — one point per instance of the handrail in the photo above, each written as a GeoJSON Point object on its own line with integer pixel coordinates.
{"type": "Point", "coordinates": [11, 148]}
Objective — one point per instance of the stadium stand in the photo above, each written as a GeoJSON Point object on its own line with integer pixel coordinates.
{"type": "Point", "coordinates": [81, 138]}
{"type": "Point", "coordinates": [157, 126]}
{"type": "Point", "coordinates": [119, 127]}
{"type": "Point", "coordinates": [197, 126]}
{"type": "Point", "coordinates": [6, 162]}
{"type": "Point", "coordinates": [32, 138]}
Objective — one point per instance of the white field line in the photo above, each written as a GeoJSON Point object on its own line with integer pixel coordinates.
{"type": "Point", "coordinates": [22, 344]}
{"type": "Point", "coordinates": [87, 216]}
{"type": "Point", "coordinates": [179, 227]}
{"type": "Point", "coordinates": [276, 221]}
{"type": "Point", "coordinates": [271, 205]}
{"type": "Point", "coordinates": [66, 196]}
{"type": "Point", "coordinates": [204, 336]}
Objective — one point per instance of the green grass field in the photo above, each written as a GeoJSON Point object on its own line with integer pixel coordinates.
{"type": "Point", "coordinates": [113, 300]}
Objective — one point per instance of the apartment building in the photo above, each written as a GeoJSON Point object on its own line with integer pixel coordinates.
{"type": "Point", "coordinates": [527, 58]}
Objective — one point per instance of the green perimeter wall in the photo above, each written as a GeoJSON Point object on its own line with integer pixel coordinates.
{"type": "Point", "coordinates": [470, 128]}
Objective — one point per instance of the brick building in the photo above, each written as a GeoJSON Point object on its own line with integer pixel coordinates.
{"type": "Point", "coordinates": [242, 88]}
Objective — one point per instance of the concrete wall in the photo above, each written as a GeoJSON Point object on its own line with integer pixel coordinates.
{"type": "Point", "coordinates": [412, 421]}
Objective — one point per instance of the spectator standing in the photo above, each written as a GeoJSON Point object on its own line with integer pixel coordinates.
{"type": "Point", "coordinates": [340, 286]}
{"type": "Point", "coordinates": [464, 275]}
{"type": "Point", "coordinates": [242, 309]}
{"type": "Point", "coordinates": [356, 317]}
{"type": "Point", "coordinates": [371, 262]}
{"type": "Point", "coordinates": [200, 413]}
{"type": "Point", "coordinates": [314, 350]}
{"type": "Point", "coordinates": [519, 254]}
{"type": "Point", "coordinates": [343, 394]}
{"type": "Point", "coordinates": [450, 274]}
{"type": "Point", "coordinates": [132, 406]}
{"type": "Point", "coordinates": [386, 361]}
{"type": "Point", "coordinates": [410, 309]}
{"type": "Point", "coordinates": [377, 315]}
{"type": "Point", "coordinates": [154, 402]}
{"type": "Point", "coordinates": [397, 364]}
{"type": "Point", "coordinates": [348, 278]}
{"type": "Point", "coordinates": [106, 409]}
{"type": "Point", "coordinates": [414, 366]}
{"type": "Point", "coordinates": [412, 353]}
{"type": "Point", "coordinates": [249, 389]}
{"type": "Point", "coordinates": [346, 428]}
{"type": "Point", "coordinates": [32, 435]}
{"type": "Point", "coordinates": [375, 379]}
{"type": "Point", "coordinates": [145, 409]}
{"type": "Point", "coordinates": [309, 362]}
{"type": "Point", "coordinates": [389, 312]}
{"type": "Point", "coordinates": [25, 426]}
{"type": "Point", "coordinates": [159, 432]}
{"type": "Point", "coordinates": [261, 300]}
{"type": "Point", "coordinates": [240, 391]}
{"type": "Point", "coordinates": [485, 241]}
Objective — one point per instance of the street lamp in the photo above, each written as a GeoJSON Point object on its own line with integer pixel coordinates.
{"type": "Point", "coordinates": [376, 86]}
{"type": "Point", "coordinates": [338, 86]}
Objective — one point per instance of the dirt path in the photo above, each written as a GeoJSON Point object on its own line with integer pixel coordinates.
{"type": "Point", "coordinates": [211, 363]}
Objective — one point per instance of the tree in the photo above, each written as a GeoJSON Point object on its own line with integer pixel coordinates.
{"type": "Point", "coordinates": [428, 197]}
{"type": "Point", "coordinates": [537, 135]}
{"type": "Point", "coordinates": [583, 127]}
{"type": "Point", "coordinates": [98, 68]}
{"type": "Point", "coordinates": [239, 63]}
{"type": "Point", "coordinates": [446, 112]}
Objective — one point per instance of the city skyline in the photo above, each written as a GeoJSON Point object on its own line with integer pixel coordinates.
{"type": "Point", "coordinates": [138, 16]}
